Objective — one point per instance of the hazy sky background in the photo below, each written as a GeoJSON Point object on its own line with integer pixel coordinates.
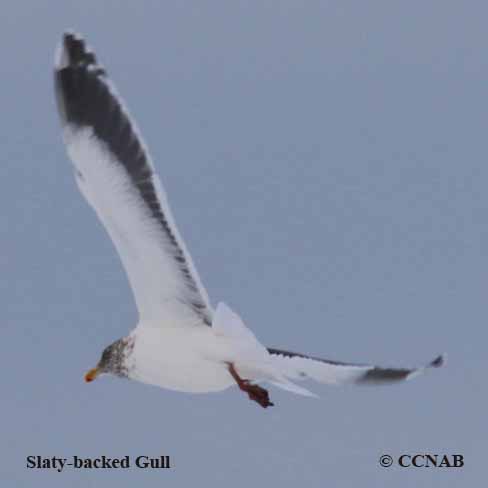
{"type": "Point", "coordinates": [327, 165]}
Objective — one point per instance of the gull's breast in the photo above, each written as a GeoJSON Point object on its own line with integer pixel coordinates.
{"type": "Point", "coordinates": [181, 359]}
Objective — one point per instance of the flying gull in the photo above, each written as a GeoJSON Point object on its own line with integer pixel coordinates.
{"type": "Point", "coordinates": [180, 342]}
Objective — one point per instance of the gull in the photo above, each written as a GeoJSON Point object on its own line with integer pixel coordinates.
{"type": "Point", "coordinates": [180, 342]}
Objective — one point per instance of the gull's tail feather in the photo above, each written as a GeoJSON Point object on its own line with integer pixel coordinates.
{"type": "Point", "coordinates": [252, 360]}
{"type": "Point", "coordinates": [293, 388]}
{"type": "Point", "coordinates": [296, 366]}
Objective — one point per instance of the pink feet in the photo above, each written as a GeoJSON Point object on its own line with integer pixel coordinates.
{"type": "Point", "coordinates": [255, 392]}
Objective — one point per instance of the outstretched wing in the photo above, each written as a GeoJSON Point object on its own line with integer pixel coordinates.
{"type": "Point", "coordinates": [296, 366]}
{"type": "Point", "coordinates": [115, 174]}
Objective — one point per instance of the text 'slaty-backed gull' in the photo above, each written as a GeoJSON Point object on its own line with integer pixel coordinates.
{"type": "Point", "coordinates": [180, 342]}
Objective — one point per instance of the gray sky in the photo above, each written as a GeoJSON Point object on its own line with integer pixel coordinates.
{"type": "Point", "coordinates": [327, 165]}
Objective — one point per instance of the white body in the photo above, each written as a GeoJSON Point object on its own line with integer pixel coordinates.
{"type": "Point", "coordinates": [197, 359]}
{"type": "Point", "coordinates": [192, 362]}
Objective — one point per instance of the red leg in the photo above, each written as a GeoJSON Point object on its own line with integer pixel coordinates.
{"type": "Point", "coordinates": [255, 392]}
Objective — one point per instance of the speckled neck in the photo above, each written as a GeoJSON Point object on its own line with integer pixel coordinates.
{"type": "Point", "coordinates": [115, 358]}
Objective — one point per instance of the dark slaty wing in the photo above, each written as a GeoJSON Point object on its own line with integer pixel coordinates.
{"type": "Point", "coordinates": [115, 174]}
{"type": "Point", "coordinates": [300, 366]}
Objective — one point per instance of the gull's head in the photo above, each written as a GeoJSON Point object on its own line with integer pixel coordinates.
{"type": "Point", "coordinates": [112, 361]}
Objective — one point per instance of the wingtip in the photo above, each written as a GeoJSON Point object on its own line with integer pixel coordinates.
{"type": "Point", "coordinates": [439, 361]}
{"type": "Point", "coordinates": [71, 34]}
{"type": "Point", "coordinates": [73, 50]}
